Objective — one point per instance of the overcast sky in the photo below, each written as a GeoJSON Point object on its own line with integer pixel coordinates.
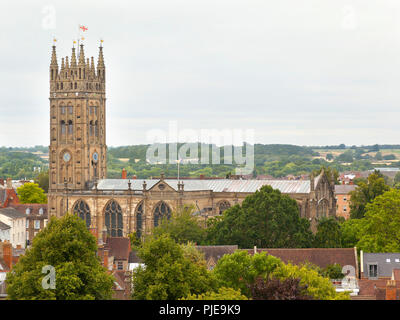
{"type": "Point", "coordinates": [306, 72]}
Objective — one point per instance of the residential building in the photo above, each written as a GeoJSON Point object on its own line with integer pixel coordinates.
{"type": "Point", "coordinates": [17, 222]}
{"type": "Point", "coordinates": [36, 218]}
{"type": "Point", "coordinates": [342, 194]}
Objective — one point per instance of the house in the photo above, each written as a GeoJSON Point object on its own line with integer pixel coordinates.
{"type": "Point", "coordinates": [36, 218]}
{"type": "Point", "coordinates": [17, 222]}
{"type": "Point", "coordinates": [8, 195]}
{"type": "Point", "coordinates": [213, 253]}
{"type": "Point", "coordinates": [4, 232]}
{"type": "Point", "coordinates": [114, 252]}
{"type": "Point", "coordinates": [342, 194]}
{"type": "Point", "coordinates": [379, 276]}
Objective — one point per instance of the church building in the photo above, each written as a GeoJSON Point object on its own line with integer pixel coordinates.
{"type": "Point", "coordinates": [78, 172]}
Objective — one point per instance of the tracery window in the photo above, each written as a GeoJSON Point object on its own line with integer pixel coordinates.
{"type": "Point", "coordinates": [222, 206]}
{"type": "Point", "coordinates": [113, 219]}
{"type": "Point", "coordinates": [139, 220]}
{"type": "Point", "coordinates": [162, 210]}
{"type": "Point", "coordinates": [81, 209]}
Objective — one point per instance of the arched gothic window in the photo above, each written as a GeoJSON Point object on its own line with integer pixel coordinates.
{"type": "Point", "coordinates": [113, 219]}
{"type": "Point", "coordinates": [62, 127]}
{"type": "Point", "coordinates": [161, 211]}
{"type": "Point", "coordinates": [139, 219]}
{"type": "Point", "coordinates": [81, 209]}
{"type": "Point", "coordinates": [70, 127]}
{"type": "Point", "coordinates": [222, 206]}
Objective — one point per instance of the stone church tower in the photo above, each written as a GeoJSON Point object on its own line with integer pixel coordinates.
{"type": "Point", "coordinates": [77, 152]}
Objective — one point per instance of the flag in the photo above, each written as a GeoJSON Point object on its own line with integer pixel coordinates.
{"type": "Point", "coordinates": [83, 28]}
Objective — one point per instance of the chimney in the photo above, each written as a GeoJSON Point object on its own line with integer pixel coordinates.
{"type": "Point", "coordinates": [391, 290]}
{"type": "Point", "coordinates": [105, 258]}
{"type": "Point", "coordinates": [124, 174]}
{"type": "Point", "coordinates": [9, 183]}
{"type": "Point", "coordinates": [104, 235]}
{"type": "Point", "coordinates": [7, 254]}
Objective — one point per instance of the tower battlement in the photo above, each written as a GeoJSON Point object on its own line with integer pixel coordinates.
{"type": "Point", "coordinates": [77, 151]}
{"type": "Point", "coordinates": [77, 74]}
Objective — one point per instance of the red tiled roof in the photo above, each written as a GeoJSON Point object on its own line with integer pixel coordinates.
{"type": "Point", "coordinates": [119, 247]}
{"type": "Point", "coordinates": [321, 257]}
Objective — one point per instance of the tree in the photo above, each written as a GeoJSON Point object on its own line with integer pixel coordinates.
{"type": "Point", "coordinates": [275, 289]}
{"type": "Point", "coordinates": [68, 246]}
{"type": "Point", "coordinates": [266, 218]}
{"type": "Point", "coordinates": [318, 287]}
{"type": "Point", "coordinates": [378, 156]}
{"type": "Point", "coordinates": [328, 234]}
{"type": "Point", "coordinates": [42, 179]}
{"type": "Point", "coordinates": [182, 227]}
{"type": "Point", "coordinates": [365, 193]}
{"type": "Point", "coordinates": [397, 178]}
{"type": "Point", "coordinates": [329, 156]}
{"type": "Point", "coordinates": [332, 271]}
{"type": "Point", "coordinates": [222, 294]}
{"type": "Point", "coordinates": [31, 193]}
{"type": "Point", "coordinates": [379, 230]}
{"type": "Point", "coordinates": [241, 270]}
{"type": "Point", "coordinates": [350, 232]}
{"type": "Point", "coordinates": [171, 272]}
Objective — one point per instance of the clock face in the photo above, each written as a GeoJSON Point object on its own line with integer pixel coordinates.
{"type": "Point", "coordinates": [67, 157]}
{"type": "Point", "coordinates": [95, 157]}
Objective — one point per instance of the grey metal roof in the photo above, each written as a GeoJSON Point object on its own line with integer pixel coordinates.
{"type": "Point", "coordinates": [217, 185]}
{"type": "Point", "coordinates": [384, 268]}
{"type": "Point", "coordinates": [4, 226]}
{"type": "Point", "coordinates": [12, 213]}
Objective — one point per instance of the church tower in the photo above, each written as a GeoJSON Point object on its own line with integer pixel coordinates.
{"type": "Point", "coordinates": [77, 152]}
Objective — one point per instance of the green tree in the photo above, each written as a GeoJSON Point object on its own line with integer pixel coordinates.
{"type": "Point", "coordinates": [332, 271]}
{"type": "Point", "coordinates": [328, 234]}
{"type": "Point", "coordinates": [42, 179]}
{"type": "Point", "coordinates": [379, 230]}
{"type": "Point", "coordinates": [378, 156]}
{"type": "Point", "coordinates": [68, 246]}
{"type": "Point", "coordinates": [222, 294]}
{"type": "Point", "coordinates": [266, 218]}
{"type": "Point", "coordinates": [318, 287]}
{"type": "Point", "coordinates": [397, 178]}
{"type": "Point", "coordinates": [239, 270]}
{"type": "Point", "coordinates": [171, 271]}
{"type": "Point", "coordinates": [365, 193]}
{"type": "Point", "coordinates": [182, 227]}
{"type": "Point", "coordinates": [31, 193]}
{"type": "Point", "coordinates": [350, 232]}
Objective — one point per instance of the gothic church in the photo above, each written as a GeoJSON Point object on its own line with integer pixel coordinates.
{"type": "Point", "coordinates": [78, 173]}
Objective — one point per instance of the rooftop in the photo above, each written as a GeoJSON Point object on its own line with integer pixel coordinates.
{"type": "Point", "coordinates": [12, 213]}
{"type": "Point", "coordinates": [215, 185]}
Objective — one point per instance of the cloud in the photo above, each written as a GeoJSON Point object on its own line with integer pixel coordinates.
{"type": "Point", "coordinates": [305, 72]}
